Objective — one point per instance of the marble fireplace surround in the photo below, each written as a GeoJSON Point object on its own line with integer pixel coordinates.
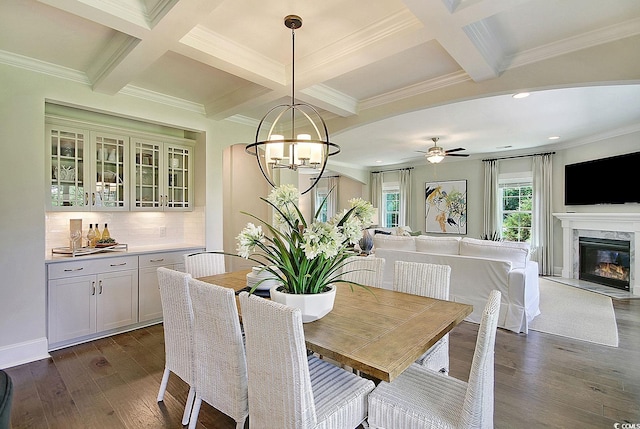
{"type": "Point", "coordinates": [618, 226]}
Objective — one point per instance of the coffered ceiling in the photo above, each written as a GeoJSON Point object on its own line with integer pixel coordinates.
{"type": "Point", "coordinates": [387, 75]}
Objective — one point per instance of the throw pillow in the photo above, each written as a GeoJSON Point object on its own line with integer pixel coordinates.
{"type": "Point", "coordinates": [441, 245]}
{"type": "Point", "coordinates": [379, 231]}
{"type": "Point", "coordinates": [516, 253]}
{"type": "Point", "coordinates": [395, 242]}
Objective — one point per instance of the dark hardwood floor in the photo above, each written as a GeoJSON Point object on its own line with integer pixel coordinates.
{"type": "Point", "coordinates": [541, 380]}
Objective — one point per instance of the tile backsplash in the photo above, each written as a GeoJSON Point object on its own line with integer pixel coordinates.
{"type": "Point", "coordinates": [132, 228]}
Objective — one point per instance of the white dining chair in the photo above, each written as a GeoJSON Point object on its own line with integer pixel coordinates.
{"type": "Point", "coordinates": [219, 359]}
{"type": "Point", "coordinates": [432, 281]}
{"type": "Point", "coordinates": [421, 398]}
{"type": "Point", "coordinates": [289, 389]}
{"type": "Point", "coordinates": [363, 270]}
{"type": "Point", "coordinates": [204, 264]}
{"type": "Point", "coordinates": [178, 331]}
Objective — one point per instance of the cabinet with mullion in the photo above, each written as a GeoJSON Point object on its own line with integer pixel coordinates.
{"type": "Point", "coordinates": [67, 151]}
{"type": "Point", "coordinates": [162, 176]}
{"type": "Point", "coordinates": [110, 189]}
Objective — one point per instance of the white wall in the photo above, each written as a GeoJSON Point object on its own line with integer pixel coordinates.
{"type": "Point", "coordinates": [22, 196]}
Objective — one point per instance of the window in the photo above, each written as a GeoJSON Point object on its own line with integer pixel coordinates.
{"type": "Point", "coordinates": [516, 210]}
{"type": "Point", "coordinates": [321, 194]}
{"type": "Point", "coordinates": [391, 199]}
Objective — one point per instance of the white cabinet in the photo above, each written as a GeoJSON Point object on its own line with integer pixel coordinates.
{"type": "Point", "coordinates": [149, 296]}
{"type": "Point", "coordinates": [163, 176]}
{"type": "Point", "coordinates": [91, 296]}
{"type": "Point", "coordinates": [93, 168]}
{"type": "Point", "coordinates": [87, 169]}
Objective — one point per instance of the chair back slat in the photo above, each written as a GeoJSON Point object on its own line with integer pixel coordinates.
{"type": "Point", "coordinates": [204, 264]}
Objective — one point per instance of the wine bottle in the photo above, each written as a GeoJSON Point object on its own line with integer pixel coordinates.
{"type": "Point", "coordinates": [91, 236]}
{"type": "Point", "coordinates": [105, 232]}
{"type": "Point", "coordinates": [98, 234]}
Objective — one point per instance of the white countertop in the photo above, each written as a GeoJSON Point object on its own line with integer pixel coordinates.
{"type": "Point", "coordinates": [131, 251]}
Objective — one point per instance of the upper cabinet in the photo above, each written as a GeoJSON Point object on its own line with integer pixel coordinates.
{"type": "Point", "coordinates": [114, 170]}
{"type": "Point", "coordinates": [163, 175]}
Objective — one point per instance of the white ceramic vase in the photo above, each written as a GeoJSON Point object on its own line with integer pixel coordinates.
{"type": "Point", "coordinates": [313, 306]}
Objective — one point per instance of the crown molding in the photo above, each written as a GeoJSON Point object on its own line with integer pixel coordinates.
{"type": "Point", "coordinates": [244, 120]}
{"type": "Point", "coordinates": [416, 89]}
{"type": "Point", "coordinates": [167, 100]}
{"type": "Point", "coordinates": [43, 67]}
{"type": "Point", "coordinates": [571, 44]}
{"type": "Point", "coordinates": [337, 102]}
{"type": "Point", "coordinates": [238, 56]}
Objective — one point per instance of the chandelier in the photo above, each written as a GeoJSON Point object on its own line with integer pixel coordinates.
{"type": "Point", "coordinates": [292, 136]}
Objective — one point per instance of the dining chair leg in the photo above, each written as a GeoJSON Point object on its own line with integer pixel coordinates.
{"type": "Point", "coordinates": [194, 412]}
{"type": "Point", "coordinates": [188, 406]}
{"type": "Point", "coordinates": [163, 384]}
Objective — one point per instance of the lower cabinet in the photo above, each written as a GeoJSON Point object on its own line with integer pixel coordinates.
{"type": "Point", "coordinates": [150, 304]}
{"type": "Point", "coordinates": [89, 297]}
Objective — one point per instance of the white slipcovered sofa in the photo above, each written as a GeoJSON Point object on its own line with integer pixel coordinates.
{"type": "Point", "coordinates": [477, 267]}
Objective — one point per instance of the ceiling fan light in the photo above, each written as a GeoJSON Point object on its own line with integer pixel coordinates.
{"type": "Point", "coordinates": [434, 159]}
{"type": "Point", "coordinates": [435, 154]}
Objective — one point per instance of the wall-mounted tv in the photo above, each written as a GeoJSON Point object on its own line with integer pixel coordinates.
{"type": "Point", "coordinates": [613, 180]}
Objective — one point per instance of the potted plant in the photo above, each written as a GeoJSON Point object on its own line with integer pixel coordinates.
{"type": "Point", "coordinates": [304, 258]}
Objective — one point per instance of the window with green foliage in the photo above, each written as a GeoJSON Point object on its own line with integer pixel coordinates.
{"type": "Point", "coordinates": [391, 215]}
{"type": "Point", "coordinates": [516, 211]}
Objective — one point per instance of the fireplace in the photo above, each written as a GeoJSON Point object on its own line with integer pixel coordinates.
{"type": "Point", "coordinates": [605, 261]}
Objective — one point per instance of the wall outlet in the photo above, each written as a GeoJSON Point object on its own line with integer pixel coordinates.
{"type": "Point", "coordinates": [162, 231]}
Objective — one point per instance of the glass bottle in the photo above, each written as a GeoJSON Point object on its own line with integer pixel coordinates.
{"type": "Point", "coordinates": [105, 232]}
{"type": "Point", "coordinates": [91, 236]}
{"type": "Point", "coordinates": [98, 234]}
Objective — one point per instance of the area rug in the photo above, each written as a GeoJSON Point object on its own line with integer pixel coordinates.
{"type": "Point", "coordinates": [575, 313]}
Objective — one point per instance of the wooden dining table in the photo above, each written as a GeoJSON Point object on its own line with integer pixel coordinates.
{"type": "Point", "coordinates": [377, 331]}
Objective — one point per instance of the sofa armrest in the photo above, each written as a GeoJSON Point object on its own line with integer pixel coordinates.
{"type": "Point", "coordinates": [524, 292]}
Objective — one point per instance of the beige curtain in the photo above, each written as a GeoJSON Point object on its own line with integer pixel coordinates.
{"type": "Point", "coordinates": [405, 197]}
{"type": "Point", "coordinates": [492, 221]}
{"type": "Point", "coordinates": [376, 190]}
{"type": "Point", "coordinates": [542, 219]}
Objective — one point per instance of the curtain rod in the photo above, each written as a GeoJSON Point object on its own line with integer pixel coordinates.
{"type": "Point", "coordinates": [518, 156]}
{"type": "Point", "coordinates": [325, 177]}
{"type": "Point", "coordinates": [397, 169]}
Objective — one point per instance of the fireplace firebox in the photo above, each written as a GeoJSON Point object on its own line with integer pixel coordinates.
{"type": "Point", "coordinates": [605, 261]}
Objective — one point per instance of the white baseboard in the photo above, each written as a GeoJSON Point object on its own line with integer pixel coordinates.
{"type": "Point", "coordinates": [29, 351]}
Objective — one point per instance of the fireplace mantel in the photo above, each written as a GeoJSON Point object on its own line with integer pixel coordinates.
{"type": "Point", "coordinates": [617, 222]}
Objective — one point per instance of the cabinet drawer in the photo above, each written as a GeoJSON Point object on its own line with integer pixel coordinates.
{"type": "Point", "coordinates": [92, 266]}
{"type": "Point", "coordinates": [162, 259]}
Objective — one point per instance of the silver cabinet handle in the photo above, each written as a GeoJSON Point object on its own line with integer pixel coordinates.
{"type": "Point", "coordinates": [73, 269]}
{"type": "Point", "coordinates": [86, 198]}
{"type": "Point", "coordinates": [156, 260]}
{"type": "Point", "coordinates": [161, 201]}
{"type": "Point", "coordinates": [166, 201]}
{"type": "Point", "coordinates": [100, 283]}
{"type": "Point", "coordinates": [117, 265]}
{"type": "Point", "coordinates": [93, 198]}
{"type": "Point", "coordinates": [93, 287]}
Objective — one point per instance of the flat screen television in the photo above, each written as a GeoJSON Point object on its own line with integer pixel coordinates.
{"type": "Point", "coordinates": [613, 180]}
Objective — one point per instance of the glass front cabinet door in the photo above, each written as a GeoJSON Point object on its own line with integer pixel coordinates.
{"type": "Point", "coordinates": [162, 176]}
{"type": "Point", "coordinates": [88, 170]}
{"type": "Point", "coordinates": [69, 172]}
{"type": "Point", "coordinates": [110, 190]}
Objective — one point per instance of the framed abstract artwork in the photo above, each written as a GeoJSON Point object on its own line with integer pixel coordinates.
{"type": "Point", "coordinates": [446, 207]}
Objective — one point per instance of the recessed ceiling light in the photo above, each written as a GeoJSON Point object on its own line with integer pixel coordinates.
{"type": "Point", "coordinates": [379, 161]}
{"type": "Point", "coordinates": [521, 95]}
{"type": "Point", "coordinates": [554, 137]}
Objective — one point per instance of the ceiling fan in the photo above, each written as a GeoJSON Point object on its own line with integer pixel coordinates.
{"type": "Point", "coordinates": [435, 154]}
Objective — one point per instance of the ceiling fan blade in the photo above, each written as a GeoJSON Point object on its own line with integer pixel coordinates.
{"type": "Point", "coordinates": [457, 154]}
{"type": "Point", "coordinates": [422, 151]}
{"type": "Point", "coordinates": [458, 149]}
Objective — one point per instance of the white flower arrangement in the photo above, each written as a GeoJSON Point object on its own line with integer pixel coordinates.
{"type": "Point", "coordinates": [304, 258]}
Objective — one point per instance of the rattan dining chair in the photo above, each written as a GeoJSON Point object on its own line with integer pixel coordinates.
{"type": "Point", "coordinates": [421, 398]}
{"type": "Point", "coordinates": [178, 331]}
{"type": "Point", "coordinates": [364, 270]}
{"type": "Point", "coordinates": [219, 360]}
{"type": "Point", "coordinates": [432, 281]}
{"type": "Point", "coordinates": [287, 388]}
{"type": "Point", "coordinates": [204, 264]}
